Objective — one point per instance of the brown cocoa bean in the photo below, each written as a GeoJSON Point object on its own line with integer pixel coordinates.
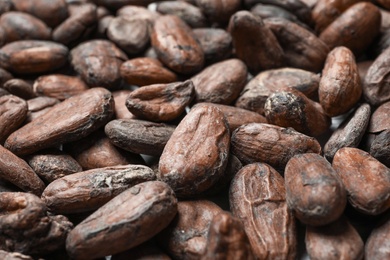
{"type": "Point", "coordinates": [259, 88]}
{"type": "Point", "coordinates": [98, 63]}
{"type": "Point", "coordinates": [221, 82]}
{"type": "Point", "coordinates": [340, 86]}
{"type": "Point", "coordinates": [216, 43]}
{"type": "Point", "coordinates": [380, 147]}
{"type": "Point", "coordinates": [13, 112]}
{"type": "Point", "coordinates": [52, 13]}
{"type": "Point", "coordinates": [139, 212]}
{"type": "Point", "coordinates": [291, 108]}
{"type": "Point", "coordinates": [19, 173]}
{"type": "Point", "coordinates": [77, 26]}
{"type": "Point", "coordinates": [355, 28]}
{"type": "Point", "coordinates": [227, 239]}
{"type": "Point", "coordinates": [138, 12]}
{"type": "Point", "coordinates": [146, 71]}
{"type": "Point", "coordinates": [378, 243]}
{"type": "Point", "coordinates": [190, 58]}
{"type": "Point", "coordinates": [161, 102]}
{"type": "Point", "coordinates": [89, 190]}
{"type": "Point", "coordinates": [376, 88]}
{"type": "Point", "coordinates": [380, 119]}
{"type": "Point", "coordinates": [349, 133]}
{"type": "Point", "coordinates": [186, 236]}
{"type": "Point", "coordinates": [270, 144]}
{"type": "Point", "coordinates": [53, 164]}
{"type": "Point", "coordinates": [269, 11]}
{"type": "Point", "coordinates": [59, 86]}
{"type": "Point", "coordinates": [33, 56]}
{"type": "Point", "coordinates": [70, 120]}
{"type": "Point", "coordinates": [326, 11]}
{"type": "Point", "coordinates": [334, 241]}
{"type": "Point", "coordinates": [315, 194]}
{"type": "Point", "coordinates": [263, 211]}
{"type": "Point", "coordinates": [131, 35]}
{"type": "Point", "coordinates": [302, 48]}
{"type": "Point", "coordinates": [20, 88]}
{"type": "Point", "coordinates": [366, 180]}
{"type": "Point", "coordinates": [189, 13]}
{"type": "Point", "coordinates": [219, 11]}
{"type": "Point", "coordinates": [21, 26]}
{"type": "Point", "coordinates": [139, 136]}
{"type": "Point", "coordinates": [200, 148]}
{"type": "Point", "coordinates": [27, 228]}
{"type": "Point", "coordinates": [254, 43]}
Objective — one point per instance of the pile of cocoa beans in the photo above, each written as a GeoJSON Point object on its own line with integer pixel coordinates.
{"type": "Point", "coordinates": [194, 129]}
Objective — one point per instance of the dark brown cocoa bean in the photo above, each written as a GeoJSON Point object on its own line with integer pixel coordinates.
{"type": "Point", "coordinates": [227, 239]}
{"type": "Point", "coordinates": [161, 102]}
{"type": "Point", "coordinates": [217, 44]}
{"type": "Point", "coordinates": [315, 194]}
{"type": "Point", "coordinates": [20, 88]}
{"type": "Point", "coordinates": [340, 86]}
{"type": "Point", "coordinates": [139, 212]}
{"type": "Point", "coordinates": [326, 11]}
{"type": "Point", "coordinates": [376, 87]}
{"type": "Point", "coordinates": [96, 151]}
{"type": "Point", "coordinates": [366, 180]}
{"type": "Point", "coordinates": [53, 164]}
{"type": "Point", "coordinates": [237, 117]}
{"type": "Point", "coordinates": [254, 43]}
{"type": "Point", "coordinates": [190, 58]}
{"type": "Point", "coordinates": [89, 190]}
{"type": "Point", "coordinates": [33, 56]}
{"type": "Point", "coordinates": [59, 86]}
{"type": "Point", "coordinates": [4, 76]}
{"type": "Point", "coordinates": [297, 7]}
{"type": "Point", "coordinates": [380, 119]}
{"type": "Point", "coordinates": [200, 146]}
{"type": "Point", "coordinates": [21, 26]}
{"type": "Point", "coordinates": [302, 48]}
{"type": "Point", "coordinates": [52, 12]}
{"type": "Point", "coordinates": [337, 240]}
{"type": "Point", "coordinates": [186, 236]}
{"type": "Point", "coordinates": [355, 28]}
{"type": "Point", "coordinates": [27, 228]}
{"type": "Point", "coordinates": [70, 120]}
{"type": "Point", "coordinates": [293, 109]}
{"type": "Point", "coordinates": [98, 63]}
{"type": "Point", "coordinates": [189, 13]}
{"type": "Point", "coordinates": [380, 147]}
{"type": "Point", "coordinates": [378, 243]}
{"type": "Point", "coordinates": [270, 144]}
{"type": "Point", "coordinates": [219, 11]}
{"type": "Point", "coordinates": [131, 35]}
{"type": "Point", "coordinates": [77, 26]}
{"type": "Point", "coordinates": [259, 88]}
{"type": "Point", "coordinates": [13, 112]}
{"type": "Point", "coordinates": [349, 133]}
{"type": "Point", "coordinates": [221, 82]}
{"type": "Point", "coordinates": [263, 211]}
{"type": "Point", "coordinates": [19, 173]}
{"type": "Point", "coordinates": [269, 11]}
{"type": "Point", "coordinates": [121, 111]}
{"type": "Point", "coordinates": [146, 71]}
{"type": "Point", "coordinates": [139, 136]}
